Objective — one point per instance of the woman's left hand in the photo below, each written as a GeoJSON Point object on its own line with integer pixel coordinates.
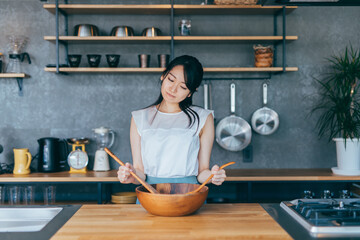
{"type": "Point", "coordinates": [219, 175]}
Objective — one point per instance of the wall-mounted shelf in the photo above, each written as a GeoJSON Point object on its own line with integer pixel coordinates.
{"type": "Point", "coordinates": [185, 39]}
{"type": "Point", "coordinates": [164, 9]}
{"type": "Point", "coordinates": [155, 70]}
{"type": "Point", "coordinates": [170, 10]}
{"type": "Point", "coordinates": [19, 78]}
{"type": "Point", "coordinates": [14, 75]}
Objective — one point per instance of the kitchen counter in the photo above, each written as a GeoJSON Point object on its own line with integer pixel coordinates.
{"type": "Point", "coordinates": [233, 175]}
{"type": "Point", "coordinates": [212, 221]}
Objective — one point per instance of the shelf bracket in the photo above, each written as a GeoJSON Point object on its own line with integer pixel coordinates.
{"type": "Point", "coordinates": [20, 85]}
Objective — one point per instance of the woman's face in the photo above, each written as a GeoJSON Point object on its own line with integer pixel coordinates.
{"type": "Point", "coordinates": [173, 88]}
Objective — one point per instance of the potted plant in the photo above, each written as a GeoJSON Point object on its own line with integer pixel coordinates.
{"type": "Point", "coordinates": [340, 109]}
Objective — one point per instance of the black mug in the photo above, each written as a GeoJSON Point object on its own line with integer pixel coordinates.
{"type": "Point", "coordinates": [52, 154]}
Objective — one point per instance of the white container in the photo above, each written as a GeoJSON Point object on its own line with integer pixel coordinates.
{"type": "Point", "coordinates": [348, 157]}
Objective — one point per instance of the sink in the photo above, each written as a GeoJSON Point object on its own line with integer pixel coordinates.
{"type": "Point", "coordinates": [26, 219]}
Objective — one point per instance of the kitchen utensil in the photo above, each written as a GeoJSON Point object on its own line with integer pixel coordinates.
{"type": "Point", "coordinates": [144, 60]}
{"type": "Point", "coordinates": [74, 60]}
{"type": "Point", "coordinates": [104, 137]}
{"type": "Point", "coordinates": [78, 158]}
{"type": "Point", "coordinates": [122, 31]}
{"type": "Point", "coordinates": [185, 27]}
{"type": "Point", "coordinates": [52, 154]}
{"type": "Point", "coordinates": [163, 60]}
{"type": "Point", "coordinates": [113, 60]}
{"type": "Point", "coordinates": [94, 60]}
{"type": "Point", "coordinates": [16, 57]}
{"type": "Point", "coordinates": [145, 184]}
{"type": "Point", "coordinates": [86, 30]}
{"type": "Point", "coordinates": [208, 179]}
{"type": "Point", "coordinates": [233, 133]}
{"type": "Point", "coordinates": [265, 121]}
{"type": "Point", "coordinates": [22, 160]}
{"type": "Point", "coordinates": [151, 32]}
{"type": "Point", "coordinates": [173, 200]}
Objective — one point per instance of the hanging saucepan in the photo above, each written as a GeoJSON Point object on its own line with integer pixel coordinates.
{"type": "Point", "coordinates": [265, 121]}
{"type": "Point", "coordinates": [233, 133]}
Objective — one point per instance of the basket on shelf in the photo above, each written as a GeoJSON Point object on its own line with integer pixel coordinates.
{"type": "Point", "coordinates": [235, 2]}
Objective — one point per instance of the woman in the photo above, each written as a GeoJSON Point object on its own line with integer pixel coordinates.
{"type": "Point", "coordinates": [171, 140]}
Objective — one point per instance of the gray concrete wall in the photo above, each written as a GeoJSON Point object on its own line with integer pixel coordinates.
{"type": "Point", "coordinates": [72, 105]}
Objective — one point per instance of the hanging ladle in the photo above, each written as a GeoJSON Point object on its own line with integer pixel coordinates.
{"type": "Point", "coordinates": [145, 184]}
{"type": "Point", "coordinates": [207, 180]}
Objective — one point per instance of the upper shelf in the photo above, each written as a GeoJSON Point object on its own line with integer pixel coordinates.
{"type": "Point", "coordinates": [159, 70]}
{"type": "Point", "coordinates": [164, 9]}
{"type": "Point", "coordinates": [185, 39]}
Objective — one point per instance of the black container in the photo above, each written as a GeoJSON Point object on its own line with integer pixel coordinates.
{"type": "Point", "coordinates": [94, 60]}
{"type": "Point", "coordinates": [52, 154]}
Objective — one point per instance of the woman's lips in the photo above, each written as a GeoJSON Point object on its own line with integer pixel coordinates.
{"type": "Point", "coordinates": [172, 96]}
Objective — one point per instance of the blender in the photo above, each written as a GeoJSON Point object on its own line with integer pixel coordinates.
{"type": "Point", "coordinates": [104, 138]}
{"type": "Point", "coordinates": [16, 57]}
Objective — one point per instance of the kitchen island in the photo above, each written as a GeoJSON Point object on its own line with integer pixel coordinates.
{"type": "Point", "coordinates": [212, 221]}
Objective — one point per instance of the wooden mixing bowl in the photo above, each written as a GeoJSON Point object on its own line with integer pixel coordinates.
{"type": "Point", "coordinates": [172, 200]}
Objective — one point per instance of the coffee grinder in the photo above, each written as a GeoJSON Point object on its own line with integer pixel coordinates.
{"type": "Point", "coordinates": [104, 137]}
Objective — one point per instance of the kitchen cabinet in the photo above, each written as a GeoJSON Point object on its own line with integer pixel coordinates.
{"type": "Point", "coordinates": [171, 10]}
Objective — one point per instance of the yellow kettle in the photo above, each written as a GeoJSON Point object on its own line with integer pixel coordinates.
{"type": "Point", "coordinates": [22, 160]}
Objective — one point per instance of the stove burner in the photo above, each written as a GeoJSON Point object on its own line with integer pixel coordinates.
{"type": "Point", "coordinates": [318, 215]}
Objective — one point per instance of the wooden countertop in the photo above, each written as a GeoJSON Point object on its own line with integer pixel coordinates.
{"type": "Point", "coordinates": [233, 175]}
{"type": "Point", "coordinates": [131, 221]}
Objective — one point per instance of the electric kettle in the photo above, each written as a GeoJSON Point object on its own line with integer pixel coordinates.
{"type": "Point", "coordinates": [52, 154]}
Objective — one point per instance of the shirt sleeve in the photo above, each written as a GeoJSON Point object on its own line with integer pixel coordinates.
{"type": "Point", "coordinates": [204, 113]}
{"type": "Point", "coordinates": [138, 119]}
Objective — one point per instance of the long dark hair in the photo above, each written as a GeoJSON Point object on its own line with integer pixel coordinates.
{"type": "Point", "coordinates": [193, 75]}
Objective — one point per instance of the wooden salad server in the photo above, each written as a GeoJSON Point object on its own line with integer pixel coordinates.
{"type": "Point", "coordinates": [145, 184]}
{"type": "Point", "coordinates": [207, 180]}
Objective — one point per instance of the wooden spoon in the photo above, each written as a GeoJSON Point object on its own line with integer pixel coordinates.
{"type": "Point", "coordinates": [145, 184]}
{"type": "Point", "coordinates": [207, 180]}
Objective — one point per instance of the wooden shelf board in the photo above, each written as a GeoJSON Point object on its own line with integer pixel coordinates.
{"type": "Point", "coordinates": [14, 75]}
{"type": "Point", "coordinates": [249, 69]}
{"type": "Point", "coordinates": [165, 9]}
{"type": "Point", "coordinates": [229, 9]}
{"type": "Point", "coordinates": [186, 39]}
{"type": "Point", "coordinates": [194, 39]}
{"type": "Point", "coordinates": [105, 70]}
{"type": "Point", "coordinates": [108, 39]}
{"type": "Point", "coordinates": [160, 9]}
{"type": "Point", "coordinates": [233, 175]}
{"type": "Point", "coordinates": [150, 70]}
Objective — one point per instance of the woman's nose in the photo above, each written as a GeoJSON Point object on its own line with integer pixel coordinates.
{"type": "Point", "coordinates": [173, 88]}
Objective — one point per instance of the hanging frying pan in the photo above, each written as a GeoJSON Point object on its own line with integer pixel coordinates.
{"type": "Point", "coordinates": [233, 133]}
{"type": "Point", "coordinates": [265, 121]}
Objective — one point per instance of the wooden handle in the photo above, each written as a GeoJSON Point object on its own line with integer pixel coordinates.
{"type": "Point", "coordinates": [145, 184]}
{"type": "Point", "coordinates": [208, 179]}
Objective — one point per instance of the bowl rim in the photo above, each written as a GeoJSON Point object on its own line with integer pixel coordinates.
{"type": "Point", "coordinates": [177, 194]}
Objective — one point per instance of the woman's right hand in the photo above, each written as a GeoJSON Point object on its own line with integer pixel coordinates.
{"type": "Point", "coordinates": [124, 173]}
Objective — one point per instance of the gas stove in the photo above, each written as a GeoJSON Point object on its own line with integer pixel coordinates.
{"type": "Point", "coordinates": [339, 217]}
